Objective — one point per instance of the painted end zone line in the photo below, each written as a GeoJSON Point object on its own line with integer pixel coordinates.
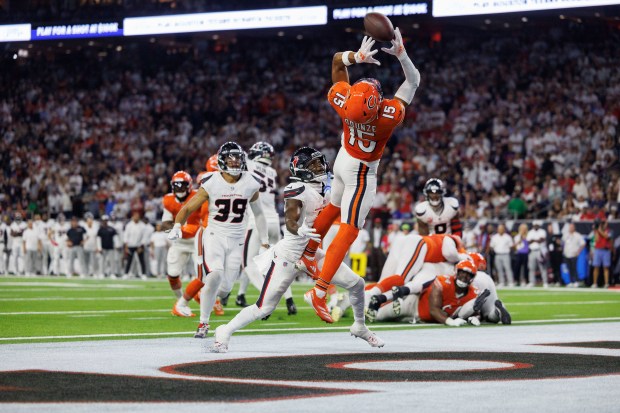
{"type": "Point", "coordinates": [292, 330]}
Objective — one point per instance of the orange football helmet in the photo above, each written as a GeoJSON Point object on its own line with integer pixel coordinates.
{"type": "Point", "coordinates": [363, 101]}
{"type": "Point", "coordinates": [211, 165]}
{"type": "Point", "coordinates": [181, 182]}
{"type": "Point", "coordinates": [465, 273]}
{"type": "Point", "coordinates": [479, 261]}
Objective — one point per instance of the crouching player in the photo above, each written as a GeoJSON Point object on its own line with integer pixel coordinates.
{"type": "Point", "coordinates": [451, 300]}
{"type": "Point", "coordinates": [304, 198]}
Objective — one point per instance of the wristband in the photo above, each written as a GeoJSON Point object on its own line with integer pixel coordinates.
{"type": "Point", "coordinates": [345, 58]}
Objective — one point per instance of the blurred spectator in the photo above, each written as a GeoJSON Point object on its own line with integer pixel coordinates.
{"type": "Point", "coordinates": [554, 246]}
{"type": "Point", "coordinates": [522, 252]}
{"type": "Point", "coordinates": [602, 252]}
{"type": "Point", "coordinates": [159, 250]}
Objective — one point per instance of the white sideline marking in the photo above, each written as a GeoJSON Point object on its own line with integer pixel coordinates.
{"type": "Point", "coordinates": [237, 309]}
{"type": "Point", "coordinates": [167, 297]}
{"type": "Point", "coordinates": [290, 330]}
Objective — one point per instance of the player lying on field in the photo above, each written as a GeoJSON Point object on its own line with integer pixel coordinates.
{"type": "Point", "coordinates": [449, 300]}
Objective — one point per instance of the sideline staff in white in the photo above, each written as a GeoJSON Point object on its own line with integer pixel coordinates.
{"type": "Point", "coordinates": [133, 237]}
{"type": "Point", "coordinates": [537, 238]}
{"type": "Point", "coordinates": [502, 243]}
{"type": "Point", "coordinates": [304, 199]}
{"type": "Point", "coordinates": [32, 247]}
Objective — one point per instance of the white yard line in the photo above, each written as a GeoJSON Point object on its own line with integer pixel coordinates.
{"type": "Point", "coordinates": [289, 330]}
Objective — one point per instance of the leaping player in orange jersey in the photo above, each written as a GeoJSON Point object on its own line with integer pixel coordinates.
{"type": "Point", "coordinates": [181, 307]}
{"type": "Point", "coordinates": [368, 121]}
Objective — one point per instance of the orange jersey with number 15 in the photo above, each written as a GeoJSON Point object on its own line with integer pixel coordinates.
{"type": "Point", "coordinates": [366, 141]}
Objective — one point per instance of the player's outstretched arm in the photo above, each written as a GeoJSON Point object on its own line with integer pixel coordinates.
{"type": "Point", "coordinates": [196, 202]}
{"type": "Point", "coordinates": [260, 220]}
{"type": "Point", "coordinates": [406, 91]}
{"type": "Point", "coordinates": [343, 59]}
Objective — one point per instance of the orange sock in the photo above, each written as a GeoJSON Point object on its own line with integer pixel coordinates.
{"type": "Point", "coordinates": [392, 281]}
{"type": "Point", "coordinates": [335, 254]}
{"type": "Point", "coordinates": [369, 286]}
{"type": "Point", "coordinates": [323, 222]}
{"type": "Point", "coordinates": [175, 283]}
{"type": "Point", "coordinates": [192, 289]}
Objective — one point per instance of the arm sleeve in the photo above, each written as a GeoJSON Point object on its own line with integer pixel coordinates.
{"type": "Point", "coordinates": [406, 91]}
{"type": "Point", "coordinates": [456, 227]}
{"type": "Point", "coordinates": [260, 221]}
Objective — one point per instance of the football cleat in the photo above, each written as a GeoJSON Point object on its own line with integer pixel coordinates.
{"type": "Point", "coordinates": [374, 303]}
{"type": "Point", "coordinates": [221, 341]}
{"type": "Point", "coordinates": [361, 331]}
{"type": "Point", "coordinates": [290, 306]}
{"type": "Point", "coordinates": [336, 313]}
{"type": "Point", "coordinates": [217, 308]}
{"type": "Point", "coordinates": [504, 315]}
{"type": "Point", "coordinates": [240, 301]}
{"type": "Point", "coordinates": [396, 306]}
{"type": "Point", "coordinates": [370, 315]}
{"type": "Point", "coordinates": [201, 332]}
{"type": "Point", "coordinates": [480, 300]}
{"type": "Point", "coordinates": [181, 309]}
{"type": "Point", "coordinates": [309, 266]}
{"type": "Point", "coordinates": [319, 305]}
{"type": "Point", "coordinates": [224, 300]}
{"type": "Point", "coordinates": [398, 292]}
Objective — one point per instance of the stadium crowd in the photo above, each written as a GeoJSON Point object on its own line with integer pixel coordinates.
{"type": "Point", "coordinates": [518, 126]}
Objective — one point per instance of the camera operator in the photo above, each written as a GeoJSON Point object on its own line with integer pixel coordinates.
{"type": "Point", "coordinates": [602, 251]}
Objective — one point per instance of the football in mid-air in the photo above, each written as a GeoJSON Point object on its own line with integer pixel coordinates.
{"type": "Point", "coordinates": [379, 27]}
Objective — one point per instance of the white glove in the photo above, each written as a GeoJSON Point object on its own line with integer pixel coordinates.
{"type": "Point", "coordinates": [455, 322]}
{"type": "Point", "coordinates": [175, 232]}
{"type": "Point", "coordinates": [474, 321]}
{"type": "Point", "coordinates": [398, 48]}
{"type": "Point", "coordinates": [308, 232]}
{"type": "Point", "coordinates": [365, 54]}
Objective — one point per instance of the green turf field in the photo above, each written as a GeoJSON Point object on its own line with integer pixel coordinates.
{"type": "Point", "coordinates": [48, 309]}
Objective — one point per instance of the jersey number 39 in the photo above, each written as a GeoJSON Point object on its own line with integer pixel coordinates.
{"type": "Point", "coordinates": [228, 206]}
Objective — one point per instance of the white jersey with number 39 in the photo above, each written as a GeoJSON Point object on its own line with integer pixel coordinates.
{"type": "Point", "coordinates": [229, 202]}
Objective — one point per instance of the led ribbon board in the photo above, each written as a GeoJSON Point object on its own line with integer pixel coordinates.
{"type": "Point", "coordinates": [229, 20]}
{"type": "Point", "coordinates": [448, 8]}
{"type": "Point", "coordinates": [401, 9]}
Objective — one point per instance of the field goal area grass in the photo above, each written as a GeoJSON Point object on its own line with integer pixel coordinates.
{"type": "Point", "coordinates": [45, 309]}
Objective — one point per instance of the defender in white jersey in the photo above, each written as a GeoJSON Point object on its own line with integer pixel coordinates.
{"type": "Point", "coordinates": [228, 191]}
{"type": "Point", "coordinates": [261, 155]}
{"type": "Point", "coordinates": [304, 200]}
{"type": "Point", "coordinates": [439, 214]}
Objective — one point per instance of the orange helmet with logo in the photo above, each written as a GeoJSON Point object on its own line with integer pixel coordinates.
{"type": "Point", "coordinates": [479, 261]}
{"type": "Point", "coordinates": [211, 165]}
{"type": "Point", "coordinates": [363, 101]}
{"type": "Point", "coordinates": [181, 182]}
{"type": "Point", "coordinates": [465, 273]}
